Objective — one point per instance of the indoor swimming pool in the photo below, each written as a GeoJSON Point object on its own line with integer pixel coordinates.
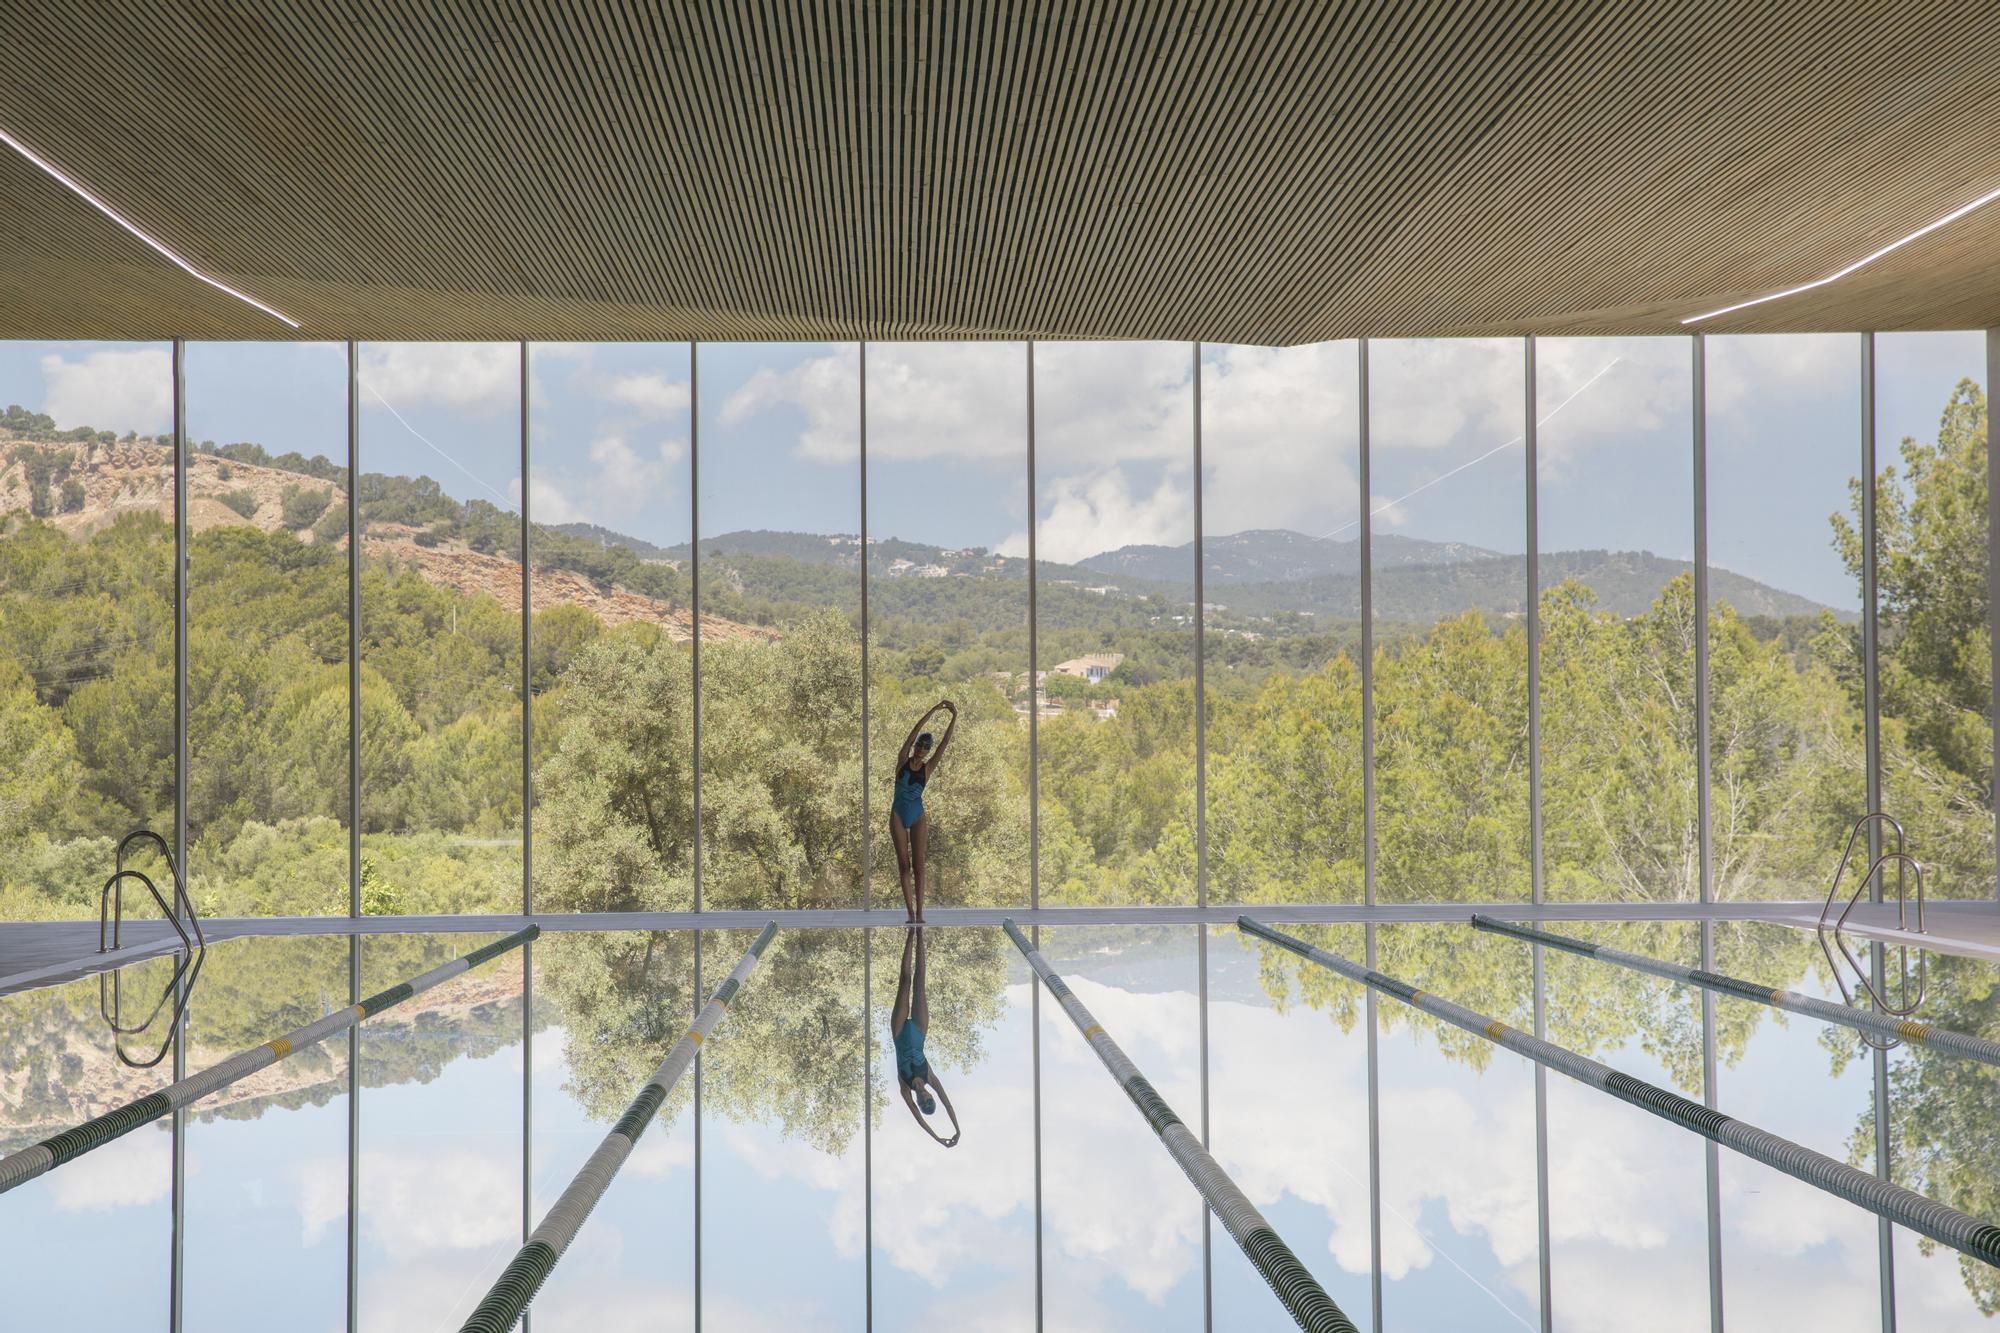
{"type": "Point", "coordinates": [790, 1188]}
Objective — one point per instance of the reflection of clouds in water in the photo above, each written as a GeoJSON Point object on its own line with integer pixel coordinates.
{"type": "Point", "coordinates": [660, 1153]}
{"type": "Point", "coordinates": [1112, 1197]}
{"type": "Point", "coordinates": [451, 1199]}
{"type": "Point", "coordinates": [938, 1210]}
{"type": "Point", "coordinates": [774, 1157]}
{"type": "Point", "coordinates": [126, 1173]}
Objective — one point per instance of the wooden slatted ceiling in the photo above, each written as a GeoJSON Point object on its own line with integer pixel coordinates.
{"type": "Point", "coordinates": [1237, 172]}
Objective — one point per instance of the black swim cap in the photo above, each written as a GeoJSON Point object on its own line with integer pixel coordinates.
{"type": "Point", "coordinates": [924, 741]}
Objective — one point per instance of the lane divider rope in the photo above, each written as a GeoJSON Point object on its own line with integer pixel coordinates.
{"type": "Point", "coordinates": [20, 1167]}
{"type": "Point", "coordinates": [1945, 1040]}
{"type": "Point", "coordinates": [1905, 1208]}
{"type": "Point", "coordinates": [530, 1267]}
{"type": "Point", "coordinates": [1296, 1289]}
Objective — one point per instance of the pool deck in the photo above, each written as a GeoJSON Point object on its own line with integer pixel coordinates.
{"type": "Point", "coordinates": [48, 953]}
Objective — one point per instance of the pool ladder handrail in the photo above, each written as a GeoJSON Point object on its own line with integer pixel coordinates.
{"type": "Point", "coordinates": [110, 931]}
{"type": "Point", "coordinates": [1904, 862]}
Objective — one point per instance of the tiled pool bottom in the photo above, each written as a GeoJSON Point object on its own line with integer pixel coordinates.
{"type": "Point", "coordinates": [823, 1206]}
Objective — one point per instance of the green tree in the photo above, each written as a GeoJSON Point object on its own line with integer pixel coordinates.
{"type": "Point", "coordinates": [300, 507]}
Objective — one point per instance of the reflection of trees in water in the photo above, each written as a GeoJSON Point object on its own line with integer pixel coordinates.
{"type": "Point", "coordinates": [59, 1068]}
{"type": "Point", "coordinates": [789, 1052]}
{"type": "Point", "coordinates": [1944, 1113]}
{"type": "Point", "coordinates": [1592, 1007]}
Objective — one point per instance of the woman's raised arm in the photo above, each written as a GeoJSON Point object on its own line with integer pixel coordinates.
{"type": "Point", "coordinates": [945, 739]}
{"type": "Point", "coordinates": [910, 741]}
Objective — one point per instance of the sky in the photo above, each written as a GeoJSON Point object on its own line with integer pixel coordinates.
{"type": "Point", "coordinates": [1114, 426]}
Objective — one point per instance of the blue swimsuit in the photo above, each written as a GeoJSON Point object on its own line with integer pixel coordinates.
{"type": "Point", "coordinates": [910, 1060]}
{"type": "Point", "coordinates": [909, 805]}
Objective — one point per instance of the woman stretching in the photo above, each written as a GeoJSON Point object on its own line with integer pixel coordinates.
{"type": "Point", "coordinates": [908, 1022]}
{"type": "Point", "coordinates": [909, 826]}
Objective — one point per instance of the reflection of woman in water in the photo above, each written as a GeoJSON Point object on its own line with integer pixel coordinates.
{"type": "Point", "coordinates": [908, 1022]}
{"type": "Point", "coordinates": [909, 826]}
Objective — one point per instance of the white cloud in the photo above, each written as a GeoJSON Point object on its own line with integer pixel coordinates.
{"type": "Point", "coordinates": [1280, 438]}
{"type": "Point", "coordinates": [1766, 378]}
{"type": "Point", "coordinates": [1429, 394]}
{"type": "Point", "coordinates": [962, 402]}
{"type": "Point", "coordinates": [111, 390]}
{"type": "Point", "coordinates": [547, 501]}
{"type": "Point", "coordinates": [128, 1173]}
{"type": "Point", "coordinates": [1113, 402]}
{"type": "Point", "coordinates": [474, 377]}
{"type": "Point", "coordinates": [1594, 393]}
{"type": "Point", "coordinates": [1104, 510]}
{"type": "Point", "coordinates": [825, 391]}
{"type": "Point", "coordinates": [649, 393]}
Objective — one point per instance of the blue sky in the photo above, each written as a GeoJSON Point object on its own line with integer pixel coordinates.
{"type": "Point", "coordinates": [948, 422]}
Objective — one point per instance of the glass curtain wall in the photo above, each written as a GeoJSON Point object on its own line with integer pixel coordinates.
{"type": "Point", "coordinates": [1448, 546]}
{"type": "Point", "coordinates": [1614, 476]}
{"type": "Point", "coordinates": [611, 669]}
{"type": "Point", "coordinates": [948, 612]}
{"type": "Point", "coordinates": [1934, 655]}
{"type": "Point", "coordinates": [1281, 570]}
{"type": "Point", "coordinates": [86, 617]}
{"type": "Point", "coordinates": [1785, 728]}
{"type": "Point", "coordinates": [781, 684]}
{"type": "Point", "coordinates": [440, 478]}
{"type": "Point", "coordinates": [1115, 622]}
{"type": "Point", "coordinates": [267, 781]}
{"type": "Point", "coordinates": [802, 722]}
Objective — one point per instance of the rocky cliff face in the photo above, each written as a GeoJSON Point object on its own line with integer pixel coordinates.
{"type": "Point", "coordinates": [133, 476]}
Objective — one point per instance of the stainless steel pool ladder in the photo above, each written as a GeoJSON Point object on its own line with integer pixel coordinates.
{"type": "Point", "coordinates": [1906, 865]}
{"type": "Point", "coordinates": [110, 929]}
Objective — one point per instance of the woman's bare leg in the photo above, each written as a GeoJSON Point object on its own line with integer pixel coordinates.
{"type": "Point", "coordinates": [920, 1001]}
{"type": "Point", "coordinates": [901, 837]}
{"type": "Point", "coordinates": [902, 1009]}
{"type": "Point", "coordinates": [920, 840]}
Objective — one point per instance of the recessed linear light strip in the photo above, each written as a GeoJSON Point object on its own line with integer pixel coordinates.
{"type": "Point", "coordinates": [1948, 218]}
{"type": "Point", "coordinates": [77, 189]}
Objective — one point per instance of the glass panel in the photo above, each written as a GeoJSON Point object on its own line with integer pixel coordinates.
{"type": "Point", "coordinates": [267, 628]}
{"type": "Point", "coordinates": [611, 500]}
{"type": "Point", "coordinates": [948, 611]}
{"type": "Point", "coordinates": [781, 684]}
{"type": "Point", "coordinates": [1121, 1227]}
{"type": "Point", "coordinates": [1628, 1192]}
{"type": "Point", "coordinates": [1615, 472]}
{"type": "Point", "coordinates": [1114, 440]}
{"type": "Point", "coordinates": [1451, 655]}
{"type": "Point", "coordinates": [86, 617]}
{"type": "Point", "coordinates": [93, 1233]}
{"type": "Point", "coordinates": [440, 627]}
{"type": "Point", "coordinates": [1935, 657]}
{"type": "Point", "coordinates": [607, 1009]}
{"type": "Point", "coordinates": [1945, 1132]}
{"type": "Point", "coordinates": [1784, 421]}
{"type": "Point", "coordinates": [1792, 1256]}
{"type": "Point", "coordinates": [1281, 552]}
{"type": "Point", "coordinates": [1457, 1135]}
{"type": "Point", "coordinates": [954, 1230]}
{"type": "Point", "coordinates": [267, 1157]}
{"type": "Point", "coordinates": [782, 1098]}
{"type": "Point", "coordinates": [440, 1175]}
{"type": "Point", "coordinates": [1288, 1100]}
